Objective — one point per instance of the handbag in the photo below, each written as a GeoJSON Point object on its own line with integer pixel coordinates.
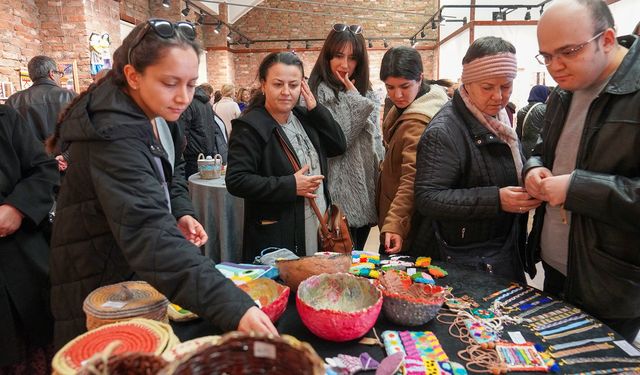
{"type": "Point", "coordinates": [333, 230]}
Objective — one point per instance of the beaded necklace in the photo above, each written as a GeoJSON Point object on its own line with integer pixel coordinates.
{"type": "Point", "coordinates": [582, 349]}
{"type": "Point", "coordinates": [582, 360]}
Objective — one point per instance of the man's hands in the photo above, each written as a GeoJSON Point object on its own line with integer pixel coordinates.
{"type": "Point", "coordinates": [543, 185]}
{"type": "Point", "coordinates": [192, 230]}
{"type": "Point", "coordinates": [255, 320]}
{"type": "Point", "coordinates": [307, 185]}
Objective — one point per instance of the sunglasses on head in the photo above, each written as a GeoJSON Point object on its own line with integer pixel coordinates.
{"type": "Point", "coordinates": [340, 27]}
{"type": "Point", "coordinates": [164, 29]}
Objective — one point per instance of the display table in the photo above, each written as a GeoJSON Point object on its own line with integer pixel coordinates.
{"type": "Point", "coordinates": [473, 283]}
{"type": "Point", "coordinates": [222, 216]}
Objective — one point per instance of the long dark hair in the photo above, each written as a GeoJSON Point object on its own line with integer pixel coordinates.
{"type": "Point", "coordinates": [287, 58]}
{"type": "Point", "coordinates": [403, 62]}
{"type": "Point", "coordinates": [147, 52]}
{"type": "Point", "coordinates": [333, 44]}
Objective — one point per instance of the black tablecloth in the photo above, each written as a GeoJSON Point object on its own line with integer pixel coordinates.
{"type": "Point", "coordinates": [463, 281]}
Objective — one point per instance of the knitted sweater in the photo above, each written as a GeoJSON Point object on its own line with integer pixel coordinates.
{"type": "Point", "coordinates": [354, 174]}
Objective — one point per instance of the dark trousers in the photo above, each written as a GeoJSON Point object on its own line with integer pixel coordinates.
{"type": "Point", "coordinates": [554, 284]}
{"type": "Point", "coordinates": [359, 236]}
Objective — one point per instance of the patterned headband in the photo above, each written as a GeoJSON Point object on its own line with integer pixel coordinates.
{"type": "Point", "coordinates": [500, 65]}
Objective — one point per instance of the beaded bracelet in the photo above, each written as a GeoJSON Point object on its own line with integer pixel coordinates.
{"type": "Point", "coordinates": [572, 344]}
{"type": "Point", "coordinates": [506, 303]}
{"type": "Point", "coordinates": [572, 332]}
{"type": "Point", "coordinates": [495, 294]}
{"type": "Point", "coordinates": [509, 293]}
{"type": "Point", "coordinates": [553, 318]}
{"type": "Point", "coordinates": [582, 349]}
{"type": "Point", "coordinates": [536, 309]}
{"type": "Point", "coordinates": [567, 327]}
{"type": "Point", "coordinates": [528, 306]}
{"type": "Point", "coordinates": [615, 370]}
{"type": "Point", "coordinates": [550, 314]}
{"type": "Point", "coordinates": [582, 360]}
{"type": "Point", "coordinates": [574, 317]}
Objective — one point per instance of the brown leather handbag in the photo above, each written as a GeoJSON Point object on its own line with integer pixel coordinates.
{"type": "Point", "coordinates": [333, 230]}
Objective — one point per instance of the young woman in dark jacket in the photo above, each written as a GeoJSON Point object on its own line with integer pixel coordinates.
{"type": "Point", "coordinates": [123, 212]}
{"type": "Point", "coordinates": [277, 211]}
{"type": "Point", "coordinates": [468, 167]}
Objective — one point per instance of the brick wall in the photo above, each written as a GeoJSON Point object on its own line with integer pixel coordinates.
{"type": "Point", "coordinates": [134, 11]}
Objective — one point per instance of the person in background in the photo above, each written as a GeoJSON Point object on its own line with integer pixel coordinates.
{"type": "Point", "coordinates": [340, 82]}
{"type": "Point", "coordinates": [41, 103]}
{"type": "Point", "coordinates": [226, 107]}
{"type": "Point", "coordinates": [276, 196]}
{"type": "Point", "coordinates": [448, 84]}
{"type": "Point", "coordinates": [636, 30]}
{"type": "Point", "coordinates": [242, 98]}
{"type": "Point", "coordinates": [469, 165]}
{"type": "Point", "coordinates": [101, 74]}
{"type": "Point", "coordinates": [123, 212]}
{"type": "Point", "coordinates": [28, 178]}
{"type": "Point", "coordinates": [415, 103]}
{"type": "Point", "coordinates": [586, 167]}
{"type": "Point", "coordinates": [216, 97]}
{"type": "Point", "coordinates": [220, 139]}
{"type": "Point", "coordinates": [533, 113]}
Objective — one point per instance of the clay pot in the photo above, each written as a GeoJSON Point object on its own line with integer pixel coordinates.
{"type": "Point", "coordinates": [294, 271]}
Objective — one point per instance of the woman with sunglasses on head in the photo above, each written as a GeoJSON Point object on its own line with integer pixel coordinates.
{"type": "Point", "coordinates": [340, 81]}
{"type": "Point", "coordinates": [123, 212]}
{"type": "Point", "coordinates": [469, 164]}
{"type": "Point", "coordinates": [415, 104]}
{"type": "Point", "coordinates": [277, 207]}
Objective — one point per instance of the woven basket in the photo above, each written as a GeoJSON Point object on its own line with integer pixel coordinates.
{"type": "Point", "coordinates": [187, 348]}
{"type": "Point", "coordinates": [125, 364]}
{"type": "Point", "coordinates": [135, 335]}
{"type": "Point", "coordinates": [339, 306]}
{"type": "Point", "coordinates": [409, 304]}
{"type": "Point", "coordinates": [273, 297]}
{"type": "Point", "coordinates": [294, 271]}
{"type": "Point", "coordinates": [241, 353]}
{"type": "Point", "coordinates": [122, 301]}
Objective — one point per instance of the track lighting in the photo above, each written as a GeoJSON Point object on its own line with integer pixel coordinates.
{"type": "Point", "coordinates": [288, 45]}
{"type": "Point", "coordinates": [527, 16]}
{"type": "Point", "coordinates": [166, 3]}
{"type": "Point", "coordinates": [218, 27]}
{"type": "Point", "coordinates": [422, 33]}
{"type": "Point", "coordinates": [370, 44]}
{"type": "Point", "coordinates": [186, 10]}
{"type": "Point", "coordinates": [200, 19]}
{"type": "Point", "coordinates": [434, 25]}
{"type": "Point", "coordinates": [385, 43]}
{"type": "Point", "coordinates": [307, 44]}
{"type": "Point", "coordinates": [230, 37]}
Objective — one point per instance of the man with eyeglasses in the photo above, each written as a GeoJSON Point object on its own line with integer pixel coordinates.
{"type": "Point", "coordinates": [41, 103]}
{"type": "Point", "coordinates": [586, 167]}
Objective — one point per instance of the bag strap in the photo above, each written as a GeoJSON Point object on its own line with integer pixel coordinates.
{"type": "Point", "coordinates": [296, 167]}
{"type": "Point", "coordinates": [524, 122]}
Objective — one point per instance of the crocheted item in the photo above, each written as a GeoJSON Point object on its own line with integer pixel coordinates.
{"type": "Point", "coordinates": [520, 357]}
{"type": "Point", "coordinates": [365, 257]}
{"type": "Point", "coordinates": [422, 277]}
{"type": "Point", "coordinates": [418, 347]}
{"type": "Point", "coordinates": [437, 272]}
{"type": "Point", "coordinates": [423, 262]}
{"type": "Point", "coordinates": [179, 314]}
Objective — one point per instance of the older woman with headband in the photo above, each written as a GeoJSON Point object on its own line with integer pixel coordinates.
{"type": "Point", "coordinates": [468, 168]}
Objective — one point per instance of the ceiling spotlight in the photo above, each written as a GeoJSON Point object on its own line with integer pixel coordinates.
{"type": "Point", "coordinates": [385, 43]}
{"type": "Point", "coordinates": [498, 16]}
{"type": "Point", "coordinates": [230, 37]}
{"type": "Point", "coordinates": [422, 33]}
{"type": "Point", "coordinates": [413, 42]}
{"type": "Point", "coordinates": [527, 16]}
{"type": "Point", "coordinates": [186, 10]}
{"type": "Point", "coordinates": [166, 3]}
{"type": "Point", "coordinates": [200, 19]}
{"type": "Point", "coordinates": [541, 9]}
{"type": "Point", "coordinates": [442, 20]}
{"type": "Point", "coordinates": [464, 21]}
{"type": "Point", "coordinates": [218, 27]}
{"type": "Point", "coordinates": [434, 25]}
{"type": "Point", "coordinates": [247, 44]}
{"type": "Point", "coordinates": [370, 44]}
{"type": "Point", "coordinates": [307, 44]}
{"type": "Point", "coordinates": [288, 45]}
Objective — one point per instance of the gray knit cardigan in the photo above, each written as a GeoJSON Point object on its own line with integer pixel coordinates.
{"type": "Point", "coordinates": [353, 176]}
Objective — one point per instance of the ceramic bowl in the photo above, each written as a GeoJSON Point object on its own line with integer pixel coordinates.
{"type": "Point", "coordinates": [272, 296]}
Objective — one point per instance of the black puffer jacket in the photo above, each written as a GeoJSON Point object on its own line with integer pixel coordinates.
{"type": "Point", "coordinates": [203, 135]}
{"type": "Point", "coordinates": [530, 131]}
{"type": "Point", "coordinates": [460, 168]}
{"type": "Point", "coordinates": [40, 105]}
{"type": "Point", "coordinates": [603, 273]}
{"type": "Point", "coordinates": [113, 224]}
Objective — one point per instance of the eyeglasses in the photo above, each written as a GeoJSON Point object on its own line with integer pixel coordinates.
{"type": "Point", "coordinates": [58, 72]}
{"type": "Point", "coordinates": [164, 29]}
{"type": "Point", "coordinates": [566, 53]}
{"type": "Point", "coordinates": [340, 27]}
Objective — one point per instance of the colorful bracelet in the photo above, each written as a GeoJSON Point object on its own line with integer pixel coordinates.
{"type": "Point", "coordinates": [582, 349]}
{"type": "Point", "coordinates": [528, 306]}
{"type": "Point", "coordinates": [571, 318]}
{"type": "Point", "coordinates": [509, 293]}
{"type": "Point", "coordinates": [551, 314]}
{"type": "Point", "coordinates": [536, 309]}
{"type": "Point", "coordinates": [572, 332]}
{"type": "Point", "coordinates": [495, 294]}
{"type": "Point", "coordinates": [567, 327]}
{"type": "Point", "coordinates": [507, 302]}
{"type": "Point", "coordinates": [572, 344]}
{"type": "Point", "coordinates": [582, 360]}
{"type": "Point", "coordinates": [615, 370]}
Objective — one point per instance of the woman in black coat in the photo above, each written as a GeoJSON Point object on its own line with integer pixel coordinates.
{"type": "Point", "coordinates": [468, 168]}
{"type": "Point", "coordinates": [277, 212]}
{"type": "Point", "coordinates": [27, 181]}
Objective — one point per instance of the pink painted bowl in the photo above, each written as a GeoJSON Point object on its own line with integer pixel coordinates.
{"type": "Point", "coordinates": [338, 306]}
{"type": "Point", "coordinates": [272, 296]}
